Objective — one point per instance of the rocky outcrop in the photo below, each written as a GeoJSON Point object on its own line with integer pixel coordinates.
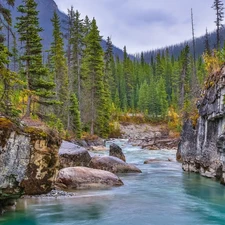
{"type": "Point", "coordinates": [201, 148]}
{"type": "Point", "coordinates": [116, 151]}
{"type": "Point", "coordinates": [71, 155]}
{"type": "Point", "coordinates": [28, 160]}
{"type": "Point", "coordinates": [112, 164]}
{"type": "Point", "coordinates": [74, 178]}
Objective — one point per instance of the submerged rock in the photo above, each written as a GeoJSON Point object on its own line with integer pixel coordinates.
{"type": "Point", "coordinates": [71, 155]}
{"type": "Point", "coordinates": [74, 178]}
{"type": "Point", "coordinates": [28, 160]}
{"type": "Point", "coordinates": [201, 148]}
{"type": "Point", "coordinates": [116, 151]}
{"type": "Point", "coordinates": [149, 161]}
{"type": "Point", "coordinates": [112, 164]}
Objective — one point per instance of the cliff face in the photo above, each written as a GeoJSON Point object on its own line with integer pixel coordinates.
{"type": "Point", "coordinates": [28, 160]}
{"type": "Point", "coordinates": [202, 148]}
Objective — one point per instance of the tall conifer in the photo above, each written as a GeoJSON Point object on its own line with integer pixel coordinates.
{"type": "Point", "coordinates": [38, 85]}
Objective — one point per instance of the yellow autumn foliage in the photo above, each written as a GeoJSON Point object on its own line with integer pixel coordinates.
{"type": "Point", "coordinates": [174, 120]}
{"type": "Point", "coordinates": [213, 62]}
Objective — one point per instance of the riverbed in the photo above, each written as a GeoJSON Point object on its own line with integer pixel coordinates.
{"type": "Point", "coordinates": [161, 195]}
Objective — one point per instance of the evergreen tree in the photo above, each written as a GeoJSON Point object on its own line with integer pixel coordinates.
{"type": "Point", "coordinates": [59, 70]}
{"type": "Point", "coordinates": [77, 43]}
{"type": "Point", "coordinates": [218, 7]}
{"type": "Point", "coordinates": [38, 85]}
{"type": "Point", "coordinates": [207, 49]}
{"type": "Point", "coordinates": [184, 81]}
{"type": "Point", "coordinates": [69, 30]}
{"type": "Point", "coordinates": [109, 75]}
{"type": "Point", "coordinates": [75, 116]}
{"type": "Point", "coordinates": [6, 76]}
{"type": "Point", "coordinates": [93, 85]}
{"type": "Point", "coordinates": [143, 102]}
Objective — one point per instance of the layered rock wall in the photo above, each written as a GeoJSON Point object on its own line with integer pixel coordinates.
{"type": "Point", "coordinates": [202, 148]}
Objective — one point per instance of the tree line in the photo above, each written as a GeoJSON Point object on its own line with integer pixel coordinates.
{"type": "Point", "coordinates": [79, 87]}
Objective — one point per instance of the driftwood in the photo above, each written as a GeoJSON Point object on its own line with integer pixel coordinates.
{"type": "Point", "coordinates": [158, 142]}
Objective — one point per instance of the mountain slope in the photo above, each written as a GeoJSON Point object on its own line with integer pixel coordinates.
{"type": "Point", "coordinates": [46, 9]}
{"type": "Point", "coordinates": [176, 49]}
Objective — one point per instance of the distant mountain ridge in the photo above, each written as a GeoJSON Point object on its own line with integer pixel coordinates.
{"type": "Point", "coordinates": [176, 49]}
{"type": "Point", "coordinates": [46, 9]}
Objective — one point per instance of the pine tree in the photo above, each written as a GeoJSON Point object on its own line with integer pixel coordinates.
{"type": "Point", "coordinates": [59, 70]}
{"type": "Point", "coordinates": [75, 116]}
{"type": "Point", "coordinates": [162, 98]}
{"type": "Point", "coordinates": [207, 49]}
{"type": "Point", "coordinates": [109, 76]}
{"type": "Point", "coordinates": [218, 7]}
{"type": "Point", "coordinates": [194, 84]}
{"type": "Point", "coordinates": [93, 85]}
{"type": "Point", "coordinates": [184, 85]}
{"type": "Point", "coordinates": [77, 44]}
{"type": "Point", "coordinates": [5, 18]}
{"type": "Point", "coordinates": [143, 102]}
{"type": "Point", "coordinates": [38, 85]}
{"type": "Point", "coordinates": [7, 78]}
{"type": "Point", "coordinates": [69, 30]}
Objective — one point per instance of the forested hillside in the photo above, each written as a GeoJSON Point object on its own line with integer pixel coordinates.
{"type": "Point", "coordinates": [46, 9]}
{"type": "Point", "coordinates": [175, 50]}
{"type": "Point", "coordinates": [78, 88]}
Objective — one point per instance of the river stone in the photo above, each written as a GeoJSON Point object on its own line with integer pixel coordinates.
{"type": "Point", "coordinates": [75, 178]}
{"type": "Point", "coordinates": [112, 164]}
{"type": "Point", "coordinates": [116, 151]}
{"type": "Point", "coordinates": [71, 155]}
{"type": "Point", "coordinates": [28, 160]}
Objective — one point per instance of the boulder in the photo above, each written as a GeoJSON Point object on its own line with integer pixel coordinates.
{"type": "Point", "coordinates": [71, 155]}
{"type": "Point", "coordinates": [28, 160]}
{"type": "Point", "coordinates": [75, 178]}
{"type": "Point", "coordinates": [112, 164]}
{"type": "Point", "coordinates": [116, 151]}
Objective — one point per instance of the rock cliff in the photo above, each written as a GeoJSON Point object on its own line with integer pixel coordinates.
{"type": "Point", "coordinates": [202, 147]}
{"type": "Point", "coordinates": [28, 160]}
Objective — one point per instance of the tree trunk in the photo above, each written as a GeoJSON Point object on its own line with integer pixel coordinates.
{"type": "Point", "coordinates": [28, 110]}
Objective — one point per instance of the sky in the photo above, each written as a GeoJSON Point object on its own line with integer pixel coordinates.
{"type": "Point", "coordinates": [144, 25]}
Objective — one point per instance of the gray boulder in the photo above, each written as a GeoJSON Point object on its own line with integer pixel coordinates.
{"type": "Point", "coordinates": [75, 178]}
{"type": "Point", "coordinates": [112, 164]}
{"type": "Point", "coordinates": [71, 155]}
{"type": "Point", "coordinates": [116, 151]}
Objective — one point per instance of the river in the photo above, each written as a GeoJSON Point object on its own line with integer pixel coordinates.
{"type": "Point", "coordinates": [162, 195]}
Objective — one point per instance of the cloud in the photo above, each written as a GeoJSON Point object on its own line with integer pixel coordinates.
{"type": "Point", "coordinates": [142, 25]}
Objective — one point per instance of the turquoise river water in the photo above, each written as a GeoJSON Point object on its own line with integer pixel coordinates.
{"type": "Point", "coordinates": [162, 195]}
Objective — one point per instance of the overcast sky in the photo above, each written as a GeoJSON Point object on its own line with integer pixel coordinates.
{"type": "Point", "coordinates": [143, 25]}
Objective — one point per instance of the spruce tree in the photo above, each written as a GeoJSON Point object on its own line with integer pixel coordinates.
{"type": "Point", "coordinates": [93, 83]}
{"type": "Point", "coordinates": [206, 43]}
{"type": "Point", "coordinates": [109, 76]}
{"type": "Point", "coordinates": [218, 7]}
{"type": "Point", "coordinates": [143, 102]}
{"type": "Point", "coordinates": [75, 116]}
{"type": "Point", "coordinates": [77, 43]}
{"type": "Point", "coordinates": [7, 78]}
{"type": "Point", "coordinates": [59, 70]}
{"type": "Point", "coordinates": [38, 85]}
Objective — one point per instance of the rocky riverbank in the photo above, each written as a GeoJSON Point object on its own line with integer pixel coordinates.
{"type": "Point", "coordinates": [148, 136]}
{"type": "Point", "coordinates": [201, 148]}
